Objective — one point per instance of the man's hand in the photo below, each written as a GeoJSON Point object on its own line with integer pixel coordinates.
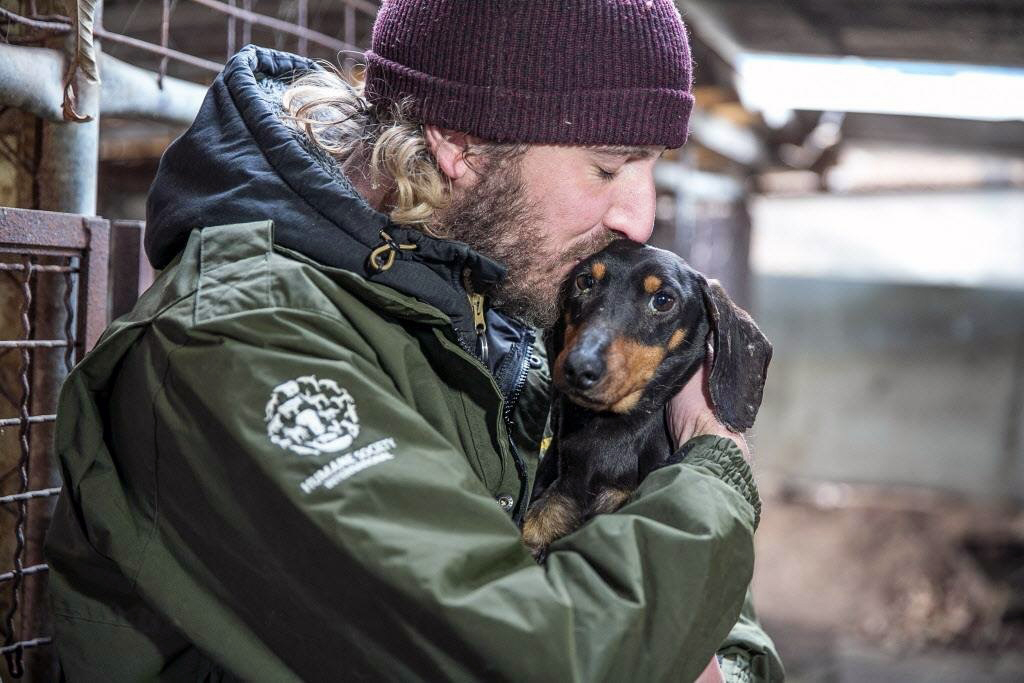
{"type": "Point", "coordinates": [689, 413]}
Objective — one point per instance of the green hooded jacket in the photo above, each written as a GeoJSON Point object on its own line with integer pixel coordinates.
{"type": "Point", "coordinates": [284, 465]}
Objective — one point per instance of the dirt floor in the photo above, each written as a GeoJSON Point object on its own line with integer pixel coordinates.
{"type": "Point", "coordinates": [859, 584]}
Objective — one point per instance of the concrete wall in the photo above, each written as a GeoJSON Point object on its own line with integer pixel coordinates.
{"type": "Point", "coordinates": [893, 383]}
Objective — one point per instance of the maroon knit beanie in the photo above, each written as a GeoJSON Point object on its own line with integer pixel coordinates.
{"type": "Point", "coordinates": [584, 72]}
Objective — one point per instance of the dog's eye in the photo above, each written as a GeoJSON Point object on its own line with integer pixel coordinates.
{"type": "Point", "coordinates": [662, 302]}
{"type": "Point", "coordinates": [584, 282]}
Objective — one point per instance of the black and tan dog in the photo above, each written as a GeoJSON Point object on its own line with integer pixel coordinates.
{"type": "Point", "coordinates": [637, 324]}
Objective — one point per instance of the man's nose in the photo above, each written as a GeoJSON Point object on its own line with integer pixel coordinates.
{"type": "Point", "coordinates": [632, 212]}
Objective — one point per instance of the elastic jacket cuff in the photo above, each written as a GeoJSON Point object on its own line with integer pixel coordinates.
{"type": "Point", "coordinates": [723, 458]}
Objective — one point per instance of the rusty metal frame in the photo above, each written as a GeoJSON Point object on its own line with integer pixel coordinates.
{"type": "Point", "coordinates": [81, 244]}
{"type": "Point", "coordinates": [59, 234]}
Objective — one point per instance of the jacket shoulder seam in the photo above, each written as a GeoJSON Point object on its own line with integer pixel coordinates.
{"type": "Point", "coordinates": [311, 310]}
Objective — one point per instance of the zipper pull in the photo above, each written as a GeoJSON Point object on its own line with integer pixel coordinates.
{"type": "Point", "coordinates": [476, 301]}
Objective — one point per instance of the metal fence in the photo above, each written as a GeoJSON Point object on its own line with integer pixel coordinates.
{"type": "Point", "coordinates": [95, 269]}
{"type": "Point", "coordinates": [43, 257]}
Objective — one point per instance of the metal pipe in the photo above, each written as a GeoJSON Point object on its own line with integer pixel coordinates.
{"type": "Point", "coordinates": [30, 80]}
{"type": "Point", "coordinates": [133, 93]}
{"type": "Point", "coordinates": [69, 160]}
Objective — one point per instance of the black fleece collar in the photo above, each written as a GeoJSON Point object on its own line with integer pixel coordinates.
{"type": "Point", "coordinates": [238, 162]}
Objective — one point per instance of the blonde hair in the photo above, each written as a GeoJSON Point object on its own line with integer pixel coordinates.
{"type": "Point", "coordinates": [338, 118]}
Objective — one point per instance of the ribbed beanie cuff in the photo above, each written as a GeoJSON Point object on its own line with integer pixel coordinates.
{"type": "Point", "coordinates": [541, 71]}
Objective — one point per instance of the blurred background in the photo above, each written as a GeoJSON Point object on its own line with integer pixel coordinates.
{"type": "Point", "coordinates": [854, 176]}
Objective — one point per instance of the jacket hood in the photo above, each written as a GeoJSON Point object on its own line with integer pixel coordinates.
{"type": "Point", "coordinates": [238, 162]}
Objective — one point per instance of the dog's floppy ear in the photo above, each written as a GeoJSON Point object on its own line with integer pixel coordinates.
{"type": "Point", "coordinates": [740, 360]}
{"type": "Point", "coordinates": [554, 338]}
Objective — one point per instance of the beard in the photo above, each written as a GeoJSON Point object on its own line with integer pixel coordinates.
{"type": "Point", "coordinates": [496, 218]}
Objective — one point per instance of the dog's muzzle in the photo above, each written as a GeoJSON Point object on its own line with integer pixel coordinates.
{"type": "Point", "coordinates": [585, 365]}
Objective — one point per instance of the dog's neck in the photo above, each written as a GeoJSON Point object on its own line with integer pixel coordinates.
{"type": "Point", "coordinates": [603, 449]}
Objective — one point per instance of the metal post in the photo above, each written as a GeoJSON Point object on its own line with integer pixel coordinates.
{"type": "Point", "coordinates": [69, 161]}
{"type": "Point", "coordinates": [68, 167]}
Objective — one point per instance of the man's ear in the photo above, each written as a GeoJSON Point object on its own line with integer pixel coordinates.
{"type": "Point", "coordinates": [740, 362]}
{"type": "Point", "coordinates": [451, 150]}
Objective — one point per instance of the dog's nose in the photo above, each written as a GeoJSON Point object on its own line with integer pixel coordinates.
{"type": "Point", "coordinates": [583, 370]}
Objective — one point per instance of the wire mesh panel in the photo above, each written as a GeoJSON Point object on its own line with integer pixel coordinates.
{"type": "Point", "coordinates": [191, 39]}
{"type": "Point", "coordinates": [53, 307]}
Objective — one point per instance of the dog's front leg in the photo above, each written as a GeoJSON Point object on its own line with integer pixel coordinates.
{"type": "Point", "coordinates": [550, 518]}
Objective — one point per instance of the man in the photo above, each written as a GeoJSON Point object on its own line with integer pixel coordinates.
{"type": "Point", "coordinates": [304, 454]}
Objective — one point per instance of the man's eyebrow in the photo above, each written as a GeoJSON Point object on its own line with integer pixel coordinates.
{"type": "Point", "coordinates": [637, 151]}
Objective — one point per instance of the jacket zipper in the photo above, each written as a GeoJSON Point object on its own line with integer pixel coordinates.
{"type": "Point", "coordinates": [520, 509]}
{"type": "Point", "coordinates": [480, 323]}
{"type": "Point", "coordinates": [476, 301]}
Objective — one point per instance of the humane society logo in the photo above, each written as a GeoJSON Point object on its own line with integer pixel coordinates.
{"type": "Point", "coordinates": [311, 416]}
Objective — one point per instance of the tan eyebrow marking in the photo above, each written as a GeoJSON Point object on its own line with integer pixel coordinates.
{"type": "Point", "coordinates": [598, 270]}
{"type": "Point", "coordinates": [652, 283]}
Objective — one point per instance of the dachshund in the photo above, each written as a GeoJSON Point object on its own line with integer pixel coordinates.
{"type": "Point", "coordinates": [638, 322]}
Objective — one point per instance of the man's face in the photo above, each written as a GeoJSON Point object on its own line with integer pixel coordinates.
{"type": "Point", "coordinates": [546, 210]}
